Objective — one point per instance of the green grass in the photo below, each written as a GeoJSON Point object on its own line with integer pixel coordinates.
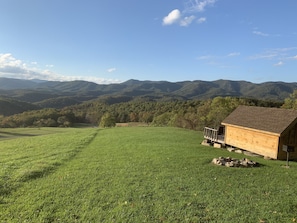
{"type": "Point", "coordinates": [34, 153]}
{"type": "Point", "coordinates": [137, 174]}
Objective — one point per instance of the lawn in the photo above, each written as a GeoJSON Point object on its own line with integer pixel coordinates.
{"type": "Point", "coordinates": [136, 174]}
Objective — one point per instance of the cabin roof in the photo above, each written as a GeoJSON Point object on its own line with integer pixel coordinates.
{"type": "Point", "coordinates": [274, 120]}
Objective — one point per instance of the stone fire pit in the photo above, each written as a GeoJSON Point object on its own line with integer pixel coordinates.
{"type": "Point", "coordinates": [231, 162]}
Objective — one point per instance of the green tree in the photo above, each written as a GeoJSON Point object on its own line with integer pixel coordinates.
{"type": "Point", "coordinates": [146, 117]}
{"type": "Point", "coordinates": [64, 121]}
{"type": "Point", "coordinates": [291, 102]}
{"type": "Point", "coordinates": [162, 120]}
{"type": "Point", "coordinates": [107, 120]}
{"type": "Point", "coordinates": [220, 108]}
{"type": "Point", "coordinates": [202, 113]}
{"type": "Point", "coordinates": [133, 117]}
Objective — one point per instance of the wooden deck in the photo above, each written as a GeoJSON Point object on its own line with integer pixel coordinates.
{"type": "Point", "coordinates": [213, 135]}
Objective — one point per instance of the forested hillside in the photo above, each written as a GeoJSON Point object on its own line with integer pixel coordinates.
{"type": "Point", "coordinates": [49, 94]}
{"type": "Point", "coordinates": [191, 114]}
{"type": "Point", "coordinates": [9, 106]}
{"type": "Point", "coordinates": [189, 104]}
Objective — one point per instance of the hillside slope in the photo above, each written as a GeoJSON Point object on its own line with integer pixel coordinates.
{"type": "Point", "coordinates": [57, 94]}
{"type": "Point", "coordinates": [9, 106]}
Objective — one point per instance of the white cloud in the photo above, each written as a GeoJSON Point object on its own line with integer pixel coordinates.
{"type": "Point", "coordinates": [277, 54]}
{"type": "Point", "coordinates": [294, 57]}
{"type": "Point", "coordinates": [205, 57]}
{"type": "Point", "coordinates": [198, 5]}
{"type": "Point", "coordinates": [285, 49]}
{"type": "Point", "coordinates": [192, 6]}
{"type": "Point", "coordinates": [176, 17]}
{"type": "Point", "coordinates": [218, 57]}
{"type": "Point", "coordinates": [172, 17]}
{"type": "Point", "coordinates": [265, 55]}
{"type": "Point", "coordinates": [260, 33]}
{"type": "Point", "coordinates": [201, 20]}
{"type": "Point", "coordinates": [233, 54]}
{"type": "Point", "coordinates": [280, 63]}
{"type": "Point", "coordinates": [187, 20]}
{"type": "Point", "coordinates": [11, 67]}
{"type": "Point", "coordinates": [7, 60]}
{"type": "Point", "coordinates": [110, 70]}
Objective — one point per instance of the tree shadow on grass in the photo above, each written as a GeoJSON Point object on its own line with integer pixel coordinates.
{"type": "Point", "coordinates": [7, 135]}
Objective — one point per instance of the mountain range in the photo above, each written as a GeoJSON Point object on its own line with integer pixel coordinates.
{"type": "Point", "coordinates": [55, 94]}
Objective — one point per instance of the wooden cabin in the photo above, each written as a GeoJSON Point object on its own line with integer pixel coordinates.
{"type": "Point", "coordinates": [269, 132]}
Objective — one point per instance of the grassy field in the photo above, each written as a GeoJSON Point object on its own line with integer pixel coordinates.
{"type": "Point", "coordinates": [135, 174]}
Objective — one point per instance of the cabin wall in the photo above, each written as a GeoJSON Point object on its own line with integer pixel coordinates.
{"type": "Point", "coordinates": [254, 141]}
{"type": "Point", "coordinates": [289, 138]}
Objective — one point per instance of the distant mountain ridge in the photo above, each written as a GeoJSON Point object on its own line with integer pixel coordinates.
{"type": "Point", "coordinates": [59, 94]}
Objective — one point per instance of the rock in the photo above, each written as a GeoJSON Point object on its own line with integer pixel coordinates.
{"type": "Point", "coordinates": [205, 143]}
{"type": "Point", "coordinates": [217, 145]}
{"type": "Point", "coordinates": [244, 163]}
{"type": "Point", "coordinates": [215, 160]}
{"type": "Point", "coordinates": [230, 162]}
{"type": "Point", "coordinates": [231, 149]}
{"type": "Point", "coordinates": [237, 164]}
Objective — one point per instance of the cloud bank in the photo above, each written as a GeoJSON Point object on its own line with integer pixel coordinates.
{"type": "Point", "coordinates": [11, 67]}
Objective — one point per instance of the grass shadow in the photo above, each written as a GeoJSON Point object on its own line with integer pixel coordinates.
{"type": "Point", "coordinates": [8, 135]}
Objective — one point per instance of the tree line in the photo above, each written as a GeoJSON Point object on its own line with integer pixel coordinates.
{"type": "Point", "coordinates": [190, 114]}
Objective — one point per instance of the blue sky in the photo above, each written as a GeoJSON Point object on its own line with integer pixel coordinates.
{"type": "Point", "coordinates": [111, 41]}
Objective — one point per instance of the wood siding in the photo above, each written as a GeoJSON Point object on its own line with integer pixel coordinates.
{"type": "Point", "coordinates": [289, 138]}
{"type": "Point", "coordinates": [252, 140]}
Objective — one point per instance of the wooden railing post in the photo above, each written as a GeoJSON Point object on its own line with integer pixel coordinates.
{"type": "Point", "coordinates": [211, 134]}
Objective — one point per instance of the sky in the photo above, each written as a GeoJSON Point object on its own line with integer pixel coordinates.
{"type": "Point", "coordinates": [112, 41]}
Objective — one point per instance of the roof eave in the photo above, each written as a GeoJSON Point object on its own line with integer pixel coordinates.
{"type": "Point", "coordinates": [251, 129]}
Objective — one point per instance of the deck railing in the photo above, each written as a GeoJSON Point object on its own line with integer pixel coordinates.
{"type": "Point", "coordinates": [211, 134]}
